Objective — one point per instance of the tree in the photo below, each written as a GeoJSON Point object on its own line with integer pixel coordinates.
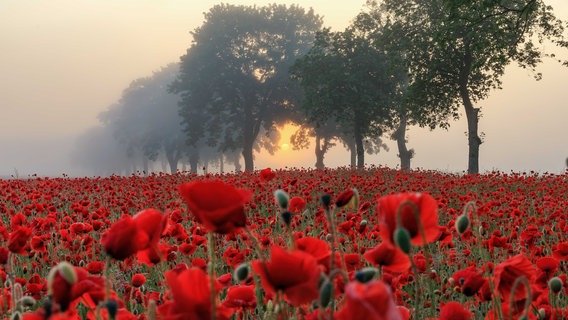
{"type": "Point", "coordinates": [460, 48]}
{"type": "Point", "coordinates": [346, 80]}
{"type": "Point", "coordinates": [146, 121]}
{"type": "Point", "coordinates": [234, 79]}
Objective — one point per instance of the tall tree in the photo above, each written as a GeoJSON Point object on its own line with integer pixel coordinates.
{"type": "Point", "coordinates": [346, 80]}
{"type": "Point", "coordinates": [234, 79]}
{"type": "Point", "coordinates": [460, 48]}
{"type": "Point", "coordinates": [146, 121]}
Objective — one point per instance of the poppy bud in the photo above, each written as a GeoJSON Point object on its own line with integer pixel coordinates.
{"type": "Point", "coordinates": [365, 275]}
{"type": "Point", "coordinates": [28, 301]}
{"type": "Point", "coordinates": [462, 223]}
{"type": "Point", "coordinates": [112, 308]}
{"type": "Point", "coordinates": [282, 199]}
{"type": "Point", "coordinates": [286, 217]}
{"type": "Point", "coordinates": [16, 316]}
{"type": "Point", "coordinates": [241, 273]}
{"type": "Point", "coordinates": [402, 239]}
{"type": "Point", "coordinates": [555, 284]}
{"type": "Point", "coordinates": [65, 270]}
{"type": "Point", "coordinates": [363, 223]}
{"type": "Point", "coordinates": [325, 293]}
{"type": "Point", "coordinates": [325, 200]}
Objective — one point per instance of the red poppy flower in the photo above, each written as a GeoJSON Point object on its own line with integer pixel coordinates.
{"type": "Point", "coordinates": [454, 311]}
{"type": "Point", "coordinates": [506, 273]}
{"type": "Point", "coordinates": [469, 281]}
{"type": "Point", "coordinates": [561, 251]}
{"type": "Point", "coordinates": [95, 267]}
{"type": "Point", "coordinates": [240, 296]}
{"type": "Point", "coordinates": [267, 174]}
{"type": "Point", "coordinates": [295, 273]}
{"type": "Point", "coordinates": [4, 254]}
{"type": "Point", "coordinates": [19, 239]}
{"type": "Point", "coordinates": [219, 206]}
{"type": "Point", "coordinates": [296, 204]}
{"type": "Point", "coordinates": [124, 238]}
{"type": "Point", "coordinates": [317, 248]}
{"type": "Point", "coordinates": [387, 209]}
{"type": "Point", "coordinates": [153, 223]}
{"type": "Point", "coordinates": [548, 265]}
{"type": "Point", "coordinates": [389, 257]}
{"type": "Point", "coordinates": [344, 198]}
{"type": "Point", "coordinates": [138, 280]}
{"type": "Point", "coordinates": [191, 296]}
{"type": "Point", "coordinates": [371, 301]}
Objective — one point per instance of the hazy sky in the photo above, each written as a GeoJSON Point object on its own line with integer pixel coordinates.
{"type": "Point", "coordinates": [62, 62]}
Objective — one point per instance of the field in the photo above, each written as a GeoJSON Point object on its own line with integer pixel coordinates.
{"type": "Point", "coordinates": [286, 244]}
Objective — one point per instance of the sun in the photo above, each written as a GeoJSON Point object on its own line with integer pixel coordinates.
{"type": "Point", "coordinates": [284, 147]}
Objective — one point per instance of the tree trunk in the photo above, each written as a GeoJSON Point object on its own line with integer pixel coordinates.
{"type": "Point", "coordinates": [320, 153]}
{"type": "Point", "coordinates": [193, 159]}
{"type": "Point", "coordinates": [352, 153]}
{"type": "Point", "coordinates": [222, 163]}
{"type": "Point", "coordinates": [473, 138]}
{"type": "Point", "coordinates": [173, 159]}
{"type": "Point", "coordinates": [472, 113]}
{"type": "Point", "coordinates": [400, 136]}
{"type": "Point", "coordinates": [360, 149]}
{"type": "Point", "coordinates": [247, 155]}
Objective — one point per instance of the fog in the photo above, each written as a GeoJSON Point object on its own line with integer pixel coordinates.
{"type": "Point", "coordinates": [64, 62]}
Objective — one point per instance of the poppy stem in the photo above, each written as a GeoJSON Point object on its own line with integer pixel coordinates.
{"type": "Point", "coordinates": [525, 282]}
{"type": "Point", "coordinates": [211, 254]}
{"type": "Point", "coordinates": [329, 213]}
{"type": "Point", "coordinates": [107, 279]}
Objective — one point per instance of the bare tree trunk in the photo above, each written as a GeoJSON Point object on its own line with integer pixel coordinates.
{"type": "Point", "coordinates": [320, 153]}
{"type": "Point", "coordinates": [360, 149]}
{"type": "Point", "coordinates": [472, 113]}
{"type": "Point", "coordinates": [193, 159]}
{"type": "Point", "coordinates": [400, 136]}
{"type": "Point", "coordinates": [247, 155]}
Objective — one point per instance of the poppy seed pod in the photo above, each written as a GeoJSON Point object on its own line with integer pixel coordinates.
{"type": "Point", "coordinates": [462, 224]}
{"type": "Point", "coordinates": [402, 239]}
{"type": "Point", "coordinates": [282, 199]}
{"type": "Point", "coordinates": [241, 273]}
{"type": "Point", "coordinates": [286, 217]}
{"type": "Point", "coordinates": [555, 284]}
{"type": "Point", "coordinates": [325, 293]}
{"type": "Point", "coordinates": [365, 275]}
{"type": "Point", "coordinates": [112, 308]}
{"type": "Point", "coordinates": [326, 200]}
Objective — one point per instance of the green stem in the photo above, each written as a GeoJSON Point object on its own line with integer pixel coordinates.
{"type": "Point", "coordinates": [525, 282]}
{"type": "Point", "coordinates": [211, 254]}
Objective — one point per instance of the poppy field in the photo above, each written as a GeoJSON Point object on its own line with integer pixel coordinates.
{"type": "Point", "coordinates": [337, 243]}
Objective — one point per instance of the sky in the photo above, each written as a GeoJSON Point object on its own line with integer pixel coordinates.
{"type": "Point", "coordinates": [62, 62]}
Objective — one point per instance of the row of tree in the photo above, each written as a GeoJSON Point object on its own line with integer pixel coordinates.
{"type": "Point", "coordinates": [401, 62]}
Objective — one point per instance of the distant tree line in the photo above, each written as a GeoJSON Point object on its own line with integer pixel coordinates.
{"type": "Point", "coordinates": [400, 63]}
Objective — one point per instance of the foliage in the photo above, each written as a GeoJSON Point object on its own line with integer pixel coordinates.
{"type": "Point", "coordinates": [347, 81]}
{"type": "Point", "coordinates": [457, 51]}
{"type": "Point", "coordinates": [234, 78]}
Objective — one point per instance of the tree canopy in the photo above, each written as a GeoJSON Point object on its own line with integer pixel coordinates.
{"type": "Point", "coordinates": [348, 81]}
{"type": "Point", "coordinates": [234, 81]}
{"type": "Point", "coordinates": [458, 50]}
